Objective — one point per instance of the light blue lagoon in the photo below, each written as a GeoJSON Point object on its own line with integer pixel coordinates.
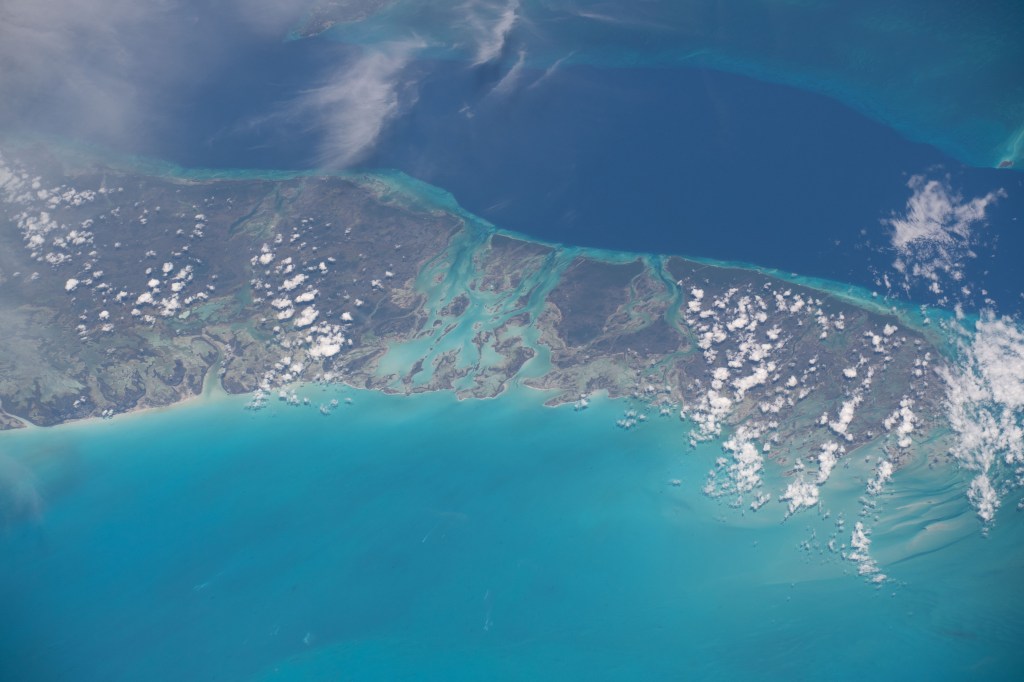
{"type": "Point", "coordinates": [430, 539]}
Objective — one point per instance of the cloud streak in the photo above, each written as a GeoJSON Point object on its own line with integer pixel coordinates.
{"type": "Point", "coordinates": [511, 79]}
{"type": "Point", "coordinates": [354, 104]}
{"type": "Point", "coordinates": [491, 26]}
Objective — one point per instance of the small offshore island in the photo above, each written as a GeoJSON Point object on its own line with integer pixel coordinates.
{"type": "Point", "coordinates": [124, 290]}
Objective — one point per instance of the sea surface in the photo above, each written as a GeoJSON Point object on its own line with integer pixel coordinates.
{"type": "Point", "coordinates": [939, 72]}
{"type": "Point", "coordinates": [685, 160]}
{"type": "Point", "coordinates": [781, 134]}
{"type": "Point", "coordinates": [423, 538]}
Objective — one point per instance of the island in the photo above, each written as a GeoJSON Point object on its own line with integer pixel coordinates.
{"type": "Point", "coordinates": [125, 288]}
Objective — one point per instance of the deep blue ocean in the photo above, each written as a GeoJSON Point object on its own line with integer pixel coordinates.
{"type": "Point", "coordinates": [689, 161]}
{"type": "Point", "coordinates": [427, 539]}
{"type": "Point", "coordinates": [610, 151]}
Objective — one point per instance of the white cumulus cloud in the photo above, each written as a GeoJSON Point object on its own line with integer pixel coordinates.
{"type": "Point", "coordinates": [936, 233]}
{"type": "Point", "coordinates": [985, 408]}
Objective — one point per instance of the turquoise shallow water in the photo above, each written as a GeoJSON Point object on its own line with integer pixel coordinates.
{"type": "Point", "coordinates": [424, 538]}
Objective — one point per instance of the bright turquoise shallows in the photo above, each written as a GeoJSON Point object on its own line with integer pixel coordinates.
{"type": "Point", "coordinates": [427, 539]}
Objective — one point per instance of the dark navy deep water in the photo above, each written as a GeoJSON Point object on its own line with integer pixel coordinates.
{"type": "Point", "coordinates": [689, 161]}
{"type": "Point", "coordinates": [664, 160]}
{"type": "Point", "coordinates": [946, 73]}
{"type": "Point", "coordinates": [669, 159]}
{"type": "Point", "coordinates": [627, 126]}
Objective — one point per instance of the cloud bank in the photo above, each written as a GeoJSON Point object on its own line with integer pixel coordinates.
{"type": "Point", "coordinates": [985, 407]}
{"type": "Point", "coordinates": [114, 69]}
{"type": "Point", "coordinates": [934, 238]}
{"type": "Point", "coordinates": [125, 74]}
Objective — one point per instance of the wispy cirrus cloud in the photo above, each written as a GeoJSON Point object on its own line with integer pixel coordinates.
{"type": "Point", "coordinates": [355, 102]}
{"type": "Point", "coordinates": [511, 79]}
{"type": "Point", "coordinates": [490, 25]}
{"type": "Point", "coordinates": [126, 74]}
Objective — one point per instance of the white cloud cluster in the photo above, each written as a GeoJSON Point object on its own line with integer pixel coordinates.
{"type": "Point", "coordinates": [827, 458]}
{"type": "Point", "coordinates": [983, 497]}
{"type": "Point", "coordinates": [903, 421]}
{"type": "Point", "coordinates": [841, 424]}
{"type": "Point", "coordinates": [935, 235]}
{"type": "Point", "coordinates": [745, 469]}
{"type": "Point", "coordinates": [754, 383]}
{"type": "Point", "coordinates": [801, 494]}
{"type": "Point", "coordinates": [860, 553]}
{"type": "Point", "coordinates": [936, 214]}
{"type": "Point", "coordinates": [985, 407]}
{"type": "Point", "coordinates": [883, 474]}
{"type": "Point", "coordinates": [739, 473]}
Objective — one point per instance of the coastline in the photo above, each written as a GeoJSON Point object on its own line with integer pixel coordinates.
{"type": "Point", "coordinates": [467, 266]}
{"type": "Point", "coordinates": [337, 422]}
{"type": "Point", "coordinates": [726, 352]}
{"type": "Point", "coordinates": [521, 395]}
{"type": "Point", "coordinates": [213, 392]}
{"type": "Point", "coordinates": [430, 196]}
